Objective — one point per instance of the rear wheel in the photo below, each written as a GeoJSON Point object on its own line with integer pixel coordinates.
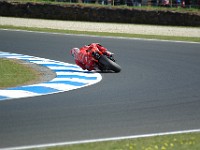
{"type": "Point", "coordinates": [107, 64]}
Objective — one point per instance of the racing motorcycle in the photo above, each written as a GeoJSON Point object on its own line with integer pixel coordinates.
{"type": "Point", "coordinates": [105, 63]}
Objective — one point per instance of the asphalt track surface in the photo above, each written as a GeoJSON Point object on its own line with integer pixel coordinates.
{"type": "Point", "coordinates": [158, 90]}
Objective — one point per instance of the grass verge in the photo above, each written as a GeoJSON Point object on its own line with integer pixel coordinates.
{"type": "Point", "coordinates": [13, 73]}
{"type": "Point", "coordinates": [189, 141]}
{"type": "Point", "coordinates": [160, 37]}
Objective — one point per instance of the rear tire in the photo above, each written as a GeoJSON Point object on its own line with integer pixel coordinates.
{"type": "Point", "coordinates": [108, 64]}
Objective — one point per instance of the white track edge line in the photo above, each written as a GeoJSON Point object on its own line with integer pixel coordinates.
{"type": "Point", "coordinates": [101, 140]}
{"type": "Point", "coordinates": [116, 37]}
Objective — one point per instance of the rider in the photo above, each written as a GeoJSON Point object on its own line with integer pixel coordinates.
{"type": "Point", "coordinates": [83, 56]}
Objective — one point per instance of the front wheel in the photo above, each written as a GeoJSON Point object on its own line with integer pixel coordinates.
{"type": "Point", "coordinates": [107, 64]}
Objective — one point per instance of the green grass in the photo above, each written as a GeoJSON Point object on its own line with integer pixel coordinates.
{"type": "Point", "coordinates": [189, 141]}
{"type": "Point", "coordinates": [176, 38]}
{"type": "Point", "coordinates": [13, 73]}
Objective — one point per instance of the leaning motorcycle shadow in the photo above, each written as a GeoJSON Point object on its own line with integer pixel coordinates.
{"type": "Point", "coordinates": [87, 71]}
{"type": "Point", "coordinates": [105, 71]}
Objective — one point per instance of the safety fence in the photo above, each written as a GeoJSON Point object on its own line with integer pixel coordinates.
{"type": "Point", "coordinates": [162, 3]}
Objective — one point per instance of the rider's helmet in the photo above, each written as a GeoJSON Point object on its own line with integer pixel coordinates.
{"type": "Point", "coordinates": [74, 52]}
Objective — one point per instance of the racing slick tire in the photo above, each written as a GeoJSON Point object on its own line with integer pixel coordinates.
{"type": "Point", "coordinates": [107, 64]}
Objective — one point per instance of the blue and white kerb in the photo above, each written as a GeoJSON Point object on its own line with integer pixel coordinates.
{"type": "Point", "coordinates": [68, 77]}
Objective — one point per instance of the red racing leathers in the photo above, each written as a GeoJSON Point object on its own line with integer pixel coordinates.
{"type": "Point", "coordinates": [84, 57]}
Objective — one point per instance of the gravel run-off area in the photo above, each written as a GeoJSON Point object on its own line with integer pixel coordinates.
{"type": "Point", "coordinates": [103, 27]}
